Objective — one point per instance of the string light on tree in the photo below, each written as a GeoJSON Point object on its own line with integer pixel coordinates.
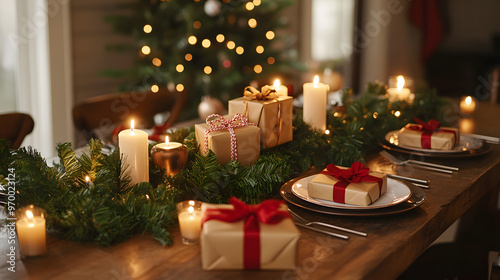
{"type": "Point", "coordinates": [192, 40]}
{"type": "Point", "coordinates": [207, 70]}
{"type": "Point", "coordinates": [259, 49]}
{"type": "Point", "coordinates": [270, 35]}
{"type": "Point", "coordinates": [220, 38]}
{"type": "Point", "coordinates": [179, 68]}
{"type": "Point", "coordinates": [252, 23]}
{"type": "Point", "coordinates": [257, 68]}
{"type": "Point", "coordinates": [271, 60]}
{"type": "Point", "coordinates": [188, 57]}
{"type": "Point", "coordinates": [256, 2]}
{"type": "Point", "coordinates": [147, 28]}
{"type": "Point", "coordinates": [156, 62]}
{"type": "Point", "coordinates": [146, 50]}
{"type": "Point", "coordinates": [230, 45]}
{"type": "Point", "coordinates": [206, 43]}
{"type": "Point", "coordinates": [197, 24]}
{"type": "Point", "coordinates": [179, 87]}
{"type": "Point", "coordinates": [240, 50]}
{"type": "Point", "coordinates": [249, 6]}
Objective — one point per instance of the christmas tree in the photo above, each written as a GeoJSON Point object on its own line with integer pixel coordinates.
{"type": "Point", "coordinates": [205, 47]}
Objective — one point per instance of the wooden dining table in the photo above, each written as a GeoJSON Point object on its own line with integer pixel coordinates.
{"type": "Point", "coordinates": [393, 243]}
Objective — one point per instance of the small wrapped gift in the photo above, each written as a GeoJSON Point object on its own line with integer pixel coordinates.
{"type": "Point", "coordinates": [355, 185]}
{"type": "Point", "coordinates": [270, 112]}
{"type": "Point", "coordinates": [428, 136]}
{"type": "Point", "coordinates": [241, 236]}
{"type": "Point", "coordinates": [235, 139]}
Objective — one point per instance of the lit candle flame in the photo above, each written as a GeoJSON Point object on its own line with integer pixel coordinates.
{"type": "Point", "coordinates": [316, 80]}
{"type": "Point", "coordinates": [401, 82]}
{"type": "Point", "coordinates": [29, 214]}
{"type": "Point", "coordinates": [132, 125]}
{"type": "Point", "coordinates": [468, 100]}
{"type": "Point", "coordinates": [87, 179]}
{"type": "Point", "coordinates": [191, 202]}
{"type": "Point", "coordinates": [190, 209]}
{"type": "Point", "coordinates": [167, 141]}
{"type": "Point", "coordinates": [277, 83]}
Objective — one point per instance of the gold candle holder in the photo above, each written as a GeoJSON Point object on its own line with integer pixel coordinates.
{"type": "Point", "coordinates": [171, 156]}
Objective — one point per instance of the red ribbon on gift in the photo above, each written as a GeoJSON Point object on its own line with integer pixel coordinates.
{"type": "Point", "coordinates": [427, 130]}
{"type": "Point", "coordinates": [266, 212]}
{"type": "Point", "coordinates": [218, 122]}
{"type": "Point", "coordinates": [357, 173]}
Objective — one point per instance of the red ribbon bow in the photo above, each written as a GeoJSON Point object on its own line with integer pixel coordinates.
{"type": "Point", "coordinates": [266, 212]}
{"type": "Point", "coordinates": [427, 130]}
{"type": "Point", "coordinates": [218, 122]}
{"type": "Point", "coordinates": [357, 173]}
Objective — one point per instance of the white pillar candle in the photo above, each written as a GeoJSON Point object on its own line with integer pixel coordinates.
{"type": "Point", "coordinates": [315, 101]}
{"type": "Point", "coordinates": [30, 227]}
{"type": "Point", "coordinates": [189, 215]}
{"type": "Point", "coordinates": [280, 89]}
{"type": "Point", "coordinates": [133, 144]}
{"type": "Point", "coordinates": [400, 93]}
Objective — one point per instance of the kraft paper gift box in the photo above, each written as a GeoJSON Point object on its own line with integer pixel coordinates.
{"type": "Point", "coordinates": [273, 117]}
{"type": "Point", "coordinates": [444, 138]}
{"type": "Point", "coordinates": [247, 143]}
{"type": "Point", "coordinates": [322, 186]}
{"type": "Point", "coordinates": [222, 243]}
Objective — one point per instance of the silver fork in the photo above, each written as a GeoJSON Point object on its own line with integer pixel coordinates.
{"type": "Point", "coordinates": [305, 222]}
{"type": "Point", "coordinates": [420, 164]}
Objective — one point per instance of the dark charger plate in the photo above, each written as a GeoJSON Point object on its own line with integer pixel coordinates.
{"type": "Point", "coordinates": [416, 199]}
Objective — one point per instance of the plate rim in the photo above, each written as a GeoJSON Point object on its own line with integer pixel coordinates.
{"type": "Point", "coordinates": [349, 206]}
{"type": "Point", "coordinates": [418, 198]}
{"type": "Point", "coordinates": [430, 151]}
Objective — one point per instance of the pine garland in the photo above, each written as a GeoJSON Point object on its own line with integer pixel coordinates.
{"type": "Point", "coordinates": [110, 209]}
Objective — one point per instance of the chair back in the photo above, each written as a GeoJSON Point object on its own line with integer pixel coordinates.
{"type": "Point", "coordinates": [97, 117]}
{"type": "Point", "coordinates": [15, 126]}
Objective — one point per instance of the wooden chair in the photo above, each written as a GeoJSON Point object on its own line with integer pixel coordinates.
{"type": "Point", "coordinates": [97, 117]}
{"type": "Point", "coordinates": [15, 126]}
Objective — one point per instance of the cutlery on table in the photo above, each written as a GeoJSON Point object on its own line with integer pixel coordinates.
{"type": "Point", "coordinates": [487, 139]}
{"type": "Point", "coordinates": [304, 222]}
{"type": "Point", "coordinates": [417, 182]}
{"type": "Point", "coordinates": [419, 164]}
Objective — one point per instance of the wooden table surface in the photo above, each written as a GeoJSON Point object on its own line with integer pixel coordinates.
{"type": "Point", "coordinates": [393, 242]}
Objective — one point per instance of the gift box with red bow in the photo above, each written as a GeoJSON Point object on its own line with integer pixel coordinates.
{"type": "Point", "coordinates": [355, 185]}
{"type": "Point", "coordinates": [270, 112]}
{"type": "Point", "coordinates": [234, 139]}
{"type": "Point", "coordinates": [428, 135]}
{"type": "Point", "coordinates": [241, 236]}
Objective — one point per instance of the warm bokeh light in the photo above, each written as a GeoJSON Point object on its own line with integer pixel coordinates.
{"type": "Point", "coordinates": [188, 57]}
{"type": "Point", "coordinates": [271, 60]}
{"type": "Point", "coordinates": [256, 2]}
{"type": "Point", "coordinates": [375, 115]}
{"type": "Point", "coordinates": [179, 87]}
{"type": "Point", "coordinates": [220, 38]}
{"type": "Point", "coordinates": [146, 50]}
{"type": "Point", "coordinates": [270, 35]}
{"type": "Point", "coordinates": [249, 6]}
{"type": "Point", "coordinates": [468, 100]}
{"type": "Point", "coordinates": [206, 43]}
{"type": "Point", "coordinates": [259, 49]}
{"type": "Point", "coordinates": [327, 132]}
{"type": "Point", "coordinates": [252, 23]}
{"type": "Point", "coordinates": [397, 113]}
{"type": "Point", "coordinates": [230, 45]}
{"type": "Point", "coordinates": [147, 28]}
{"type": "Point", "coordinates": [257, 68]}
{"type": "Point", "coordinates": [240, 50]}
{"type": "Point", "coordinates": [226, 63]}
{"type": "Point", "coordinates": [156, 62]}
{"type": "Point", "coordinates": [207, 70]}
{"type": "Point", "coordinates": [197, 24]}
{"type": "Point", "coordinates": [155, 88]}
{"type": "Point", "coordinates": [192, 40]}
{"type": "Point", "coordinates": [179, 68]}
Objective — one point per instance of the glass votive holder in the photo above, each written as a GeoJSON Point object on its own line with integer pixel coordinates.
{"type": "Point", "coordinates": [189, 215]}
{"type": "Point", "coordinates": [171, 156]}
{"type": "Point", "coordinates": [31, 231]}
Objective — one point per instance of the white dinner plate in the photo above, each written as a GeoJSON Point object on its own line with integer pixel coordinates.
{"type": "Point", "coordinates": [397, 192]}
{"type": "Point", "coordinates": [465, 145]}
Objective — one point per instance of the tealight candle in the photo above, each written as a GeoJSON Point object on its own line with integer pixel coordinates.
{"type": "Point", "coordinates": [30, 227]}
{"type": "Point", "coordinates": [468, 105]}
{"type": "Point", "coordinates": [189, 214]}
{"type": "Point", "coordinates": [171, 156]}
{"type": "Point", "coordinates": [280, 89]}
{"type": "Point", "coordinates": [133, 144]}
{"type": "Point", "coordinates": [400, 93]}
{"type": "Point", "coordinates": [315, 101]}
